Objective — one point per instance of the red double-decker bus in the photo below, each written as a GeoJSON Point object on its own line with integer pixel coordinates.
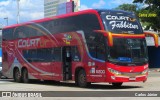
{"type": "Point", "coordinates": [85, 47]}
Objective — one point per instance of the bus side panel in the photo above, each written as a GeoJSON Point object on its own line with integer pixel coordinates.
{"type": "Point", "coordinates": [38, 59]}
{"type": "Point", "coordinates": [8, 58]}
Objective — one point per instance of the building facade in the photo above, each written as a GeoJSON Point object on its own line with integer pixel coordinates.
{"type": "Point", "coordinates": [57, 7]}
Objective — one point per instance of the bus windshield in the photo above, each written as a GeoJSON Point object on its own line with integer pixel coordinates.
{"type": "Point", "coordinates": [128, 51]}
{"type": "Point", "coordinates": [121, 22]}
{"type": "Point", "coordinates": [125, 50]}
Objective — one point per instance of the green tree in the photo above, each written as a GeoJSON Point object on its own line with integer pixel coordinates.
{"type": "Point", "coordinates": [127, 7]}
{"type": "Point", "coordinates": [152, 8]}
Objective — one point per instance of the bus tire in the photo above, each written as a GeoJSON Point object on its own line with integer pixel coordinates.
{"type": "Point", "coordinates": [82, 81]}
{"type": "Point", "coordinates": [0, 75]}
{"type": "Point", "coordinates": [17, 76]}
{"type": "Point", "coordinates": [119, 84]}
{"type": "Point", "coordinates": [25, 76]}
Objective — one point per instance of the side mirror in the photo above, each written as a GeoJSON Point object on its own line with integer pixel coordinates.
{"type": "Point", "coordinates": [155, 36]}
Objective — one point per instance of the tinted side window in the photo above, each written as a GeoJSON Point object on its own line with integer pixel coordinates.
{"type": "Point", "coordinates": [27, 31]}
{"type": "Point", "coordinates": [86, 22]}
{"type": "Point", "coordinates": [96, 45]}
{"type": "Point", "coordinates": [20, 32]}
{"type": "Point", "coordinates": [57, 54]}
{"type": "Point", "coordinates": [46, 55]}
{"type": "Point", "coordinates": [39, 55]}
{"type": "Point", "coordinates": [90, 39]}
{"type": "Point", "coordinates": [83, 22]}
{"type": "Point", "coordinates": [42, 55]}
{"type": "Point", "coordinates": [74, 23]}
{"type": "Point", "coordinates": [75, 54]}
{"type": "Point", "coordinates": [101, 47]}
{"type": "Point", "coordinates": [7, 34]}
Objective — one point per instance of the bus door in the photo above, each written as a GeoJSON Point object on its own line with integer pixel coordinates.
{"type": "Point", "coordinates": [67, 63]}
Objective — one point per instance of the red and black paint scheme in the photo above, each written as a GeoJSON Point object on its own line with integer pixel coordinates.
{"type": "Point", "coordinates": [86, 46]}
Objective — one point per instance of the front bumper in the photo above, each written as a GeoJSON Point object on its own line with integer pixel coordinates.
{"type": "Point", "coordinates": [116, 73]}
{"type": "Point", "coordinates": [113, 78]}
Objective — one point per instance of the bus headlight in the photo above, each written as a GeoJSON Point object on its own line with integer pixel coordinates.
{"type": "Point", "coordinates": [114, 71]}
{"type": "Point", "coordinates": [144, 72]}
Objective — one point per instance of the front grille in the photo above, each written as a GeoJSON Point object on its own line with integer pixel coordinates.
{"type": "Point", "coordinates": [131, 74]}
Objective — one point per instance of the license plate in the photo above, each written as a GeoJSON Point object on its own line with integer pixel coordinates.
{"type": "Point", "coordinates": [132, 78]}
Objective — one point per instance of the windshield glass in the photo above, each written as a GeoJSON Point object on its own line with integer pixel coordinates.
{"type": "Point", "coordinates": [128, 51]}
{"type": "Point", "coordinates": [121, 22]}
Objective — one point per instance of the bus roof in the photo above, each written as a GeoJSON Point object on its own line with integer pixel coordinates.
{"type": "Point", "coordinates": [90, 11]}
{"type": "Point", "coordinates": [112, 10]}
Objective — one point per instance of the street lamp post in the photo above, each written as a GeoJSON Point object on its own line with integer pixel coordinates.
{"type": "Point", "coordinates": [6, 18]}
{"type": "Point", "coordinates": [18, 11]}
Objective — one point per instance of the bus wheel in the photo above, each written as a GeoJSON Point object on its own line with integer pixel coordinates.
{"type": "Point", "coordinates": [17, 76]}
{"type": "Point", "coordinates": [25, 76]}
{"type": "Point", "coordinates": [117, 84]}
{"type": "Point", "coordinates": [0, 75]}
{"type": "Point", "coordinates": [82, 81]}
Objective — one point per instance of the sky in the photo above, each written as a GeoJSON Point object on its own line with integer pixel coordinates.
{"type": "Point", "coordinates": [29, 10]}
{"type": "Point", "coordinates": [107, 4]}
{"type": "Point", "coordinates": [33, 9]}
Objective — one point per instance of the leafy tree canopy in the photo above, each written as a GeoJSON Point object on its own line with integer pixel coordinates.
{"type": "Point", "coordinates": [152, 11]}
{"type": "Point", "coordinates": [127, 7]}
{"type": "Point", "coordinates": [148, 12]}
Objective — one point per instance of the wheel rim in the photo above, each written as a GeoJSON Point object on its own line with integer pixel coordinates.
{"type": "Point", "coordinates": [25, 76]}
{"type": "Point", "coordinates": [17, 75]}
{"type": "Point", "coordinates": [82, 79]}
